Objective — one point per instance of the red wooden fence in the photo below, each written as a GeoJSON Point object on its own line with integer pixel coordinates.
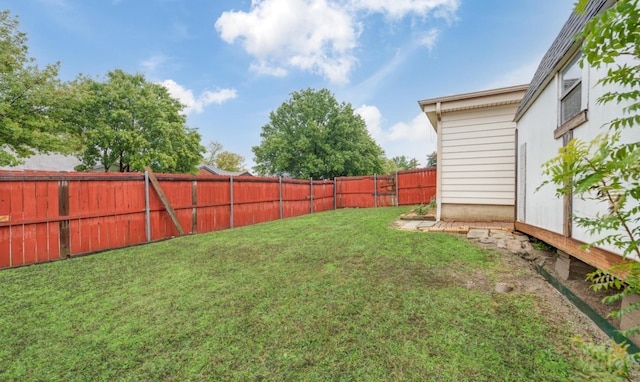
{"type": "Point", "coordinates": [416, 186]}
{"type": "Point", "coordinates": [404, 188]}
{"type": "Point", "coordinates": [46, 216]}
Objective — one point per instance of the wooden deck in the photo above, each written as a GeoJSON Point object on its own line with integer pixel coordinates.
{"type": "Point", "coordinates": [464, 227]}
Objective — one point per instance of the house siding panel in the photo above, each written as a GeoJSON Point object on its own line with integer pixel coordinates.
{"type": "Point", "coordinates": [598, 116]}
{"type": "Point", "coordinates": [542, 209]}
{"type": "Point", "coordinates": [478, 149]}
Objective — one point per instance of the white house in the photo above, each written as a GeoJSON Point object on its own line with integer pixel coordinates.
{"type": "Point", "coordinates": [560, 104]}
{"type": "Point", "coordinates": [476, 153]}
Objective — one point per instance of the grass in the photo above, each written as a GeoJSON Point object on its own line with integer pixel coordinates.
{"type": "Point", "coordinates": [331, 296]}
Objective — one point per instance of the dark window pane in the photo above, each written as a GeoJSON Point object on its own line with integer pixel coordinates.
{"type": "Point", "coordinates": [571, 104]}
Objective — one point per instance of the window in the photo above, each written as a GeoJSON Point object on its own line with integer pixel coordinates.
{"type": "Point", "coordinates": [571, 90]}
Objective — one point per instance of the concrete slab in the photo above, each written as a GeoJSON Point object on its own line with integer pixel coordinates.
{"type": "Point", "coordinates": [411, 224]}
{"type": "Point", "coordinates": [426, 224]}
{"type": "Point", "coordinates": [477, 233]}
{"type": "Point", "coordinates": [500, 234]}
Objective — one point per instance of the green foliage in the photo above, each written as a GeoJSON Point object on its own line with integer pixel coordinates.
{"type": "Point", "coordinates": [422, 209]}
{"type": "Point", "coordinates": [432, 159]}
{"type": "Point", "coordinates": [222, 159]}
{"type": "Point", "coordinates": [127, 123]}
{"type": "Point", "coordinates": [214, 148]}
{"type": "Point", "coordinates": [312, 135]}
{"type": "Point", "coordinates": [388, 166]}
{"type": "Point", "coordinates": [403, 163]}
{"type": "Point", "coordinates": [541, 245]}
{"type": "Point", "coordinates": [229, 161]}
{"type": "Point", "coordinates": [605, 362]}
{"type": "Point", "coordinates": [608, 36]}
{"type": "Point", "coordinates": [603, 170]}
{"type": "Point", "coordinates": [32, 101]}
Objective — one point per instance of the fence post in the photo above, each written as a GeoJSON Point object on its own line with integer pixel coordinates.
{"type": "Point", "coordinates": [375, 191]}
{"type": "Point", "coordinates": [310, 195]}
{"type": "Point", "coordinates": [147, 208]}
{"type": "Point", "coordinates": [194, 209]}
{"type": "Point", "coordinates": [397, 190]}
{"type": "Point", "coordinates": [335, 193]}
{"type": "Point", "coordinates": [280, 191]}
{"type": "Point", "coordinates": [64, 225]}
{"type": "Point", "coordinates": [231, 201]}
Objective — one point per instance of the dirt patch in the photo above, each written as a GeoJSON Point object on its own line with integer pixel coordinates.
{"type": "Point", "coordinates": [526, 279]}
{"type": "Point", "coordinates": [521, 275]}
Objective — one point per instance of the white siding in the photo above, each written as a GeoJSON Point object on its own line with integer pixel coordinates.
{"type": "Point", "coordinates": [478, 156]}
{"type": "Point", "coordinates": [535, 128]}
{"type": "Point", "coordinates": [598, 115]}
{"type": "Point", "coordinates": [542, 208]}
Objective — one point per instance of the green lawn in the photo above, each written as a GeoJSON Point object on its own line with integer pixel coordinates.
{"type": "Point", "coordinates": [331, 296]}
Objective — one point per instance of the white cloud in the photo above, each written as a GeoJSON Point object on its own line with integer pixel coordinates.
{"type": "Point", "coordinates": [197, 104]}
{"type": "Point", "coordinates": [414, 139]}
{"type": "Point", "coordinates": [416, 129]}
{"type": "Point", "coordinates": [264, 68]}
{"type": "Point", "coordinates": [430, 38]}
{"type": "Point", "coordinates": [373, 118]}
{"type": "Point", "coordinates": [311, 35]}
{"type": "Point", "coordinates": [400, 8]}
{"type": "Point", "coordinates": [154, 62]}
{"type": "Point", "coordinates": [317, 36]}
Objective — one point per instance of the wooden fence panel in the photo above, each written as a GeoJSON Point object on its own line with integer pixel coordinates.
{"type": "Point", "coordinates": [46, 216]}
{"type": "Point", "coordinates": [214, 208]}
{"type": "Point", "coordinates": [295, 198]}
{"type": "Point", "coordinates": [178, 192]}
{"type": "Point", "coordinates": [416, 186]}
{"type": "Point", "coordinates": [105, 213]}
{"type": "Point", "coordinates": [355, 191]}
{"type": "Point", "coordinates": [322, 196]}
{"type": "Point", "coordinates": [26, 234]}
{"type": "Point", "coordinates": [385, 190]}
{"type": "Point", "coordinates": [255, 200]}
{"type": "Point", "coordinates": [5, 230]}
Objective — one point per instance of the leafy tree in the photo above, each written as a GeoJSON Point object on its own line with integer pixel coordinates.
{"type": "Point", "coordinates": [607, 169]}
{"type": "Point", "coordinates": [389, 166]}
{"type": "Point", "coordinates": [432, 159]}
{"type": "Point", "coordinates": [127, 123]}
{"type": "Point", "coordinates": [222, 159]}
{"type": "Point", "coordinates": [31, 100]}
{"type": "Point", "coordinates": [229, 161]}
{"type": "Point", "coordinates": [312, 135]}
{"type": "Point", "coordinates": [403, 163]}
{"type": "Point", "coordinates": [214, 148]}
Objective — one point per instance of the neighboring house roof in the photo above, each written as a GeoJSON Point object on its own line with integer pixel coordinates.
{"type": "Point", "coordinates": [217, 171]}
{"type": "Point", "coordinates": [46, 162]}
{"type": "Point", "coordinates": [556, 56]}
{"type": "Point", "coordinates": [468, 101]}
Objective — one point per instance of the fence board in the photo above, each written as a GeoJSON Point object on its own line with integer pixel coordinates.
{"type": "Point", "coordinates": [46, 215]}
{"type": "Point", "coordinates": [416, 186]}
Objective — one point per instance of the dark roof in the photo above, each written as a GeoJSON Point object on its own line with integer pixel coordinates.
{"type": "Point", "coordinates": [217, 171]}
{"type": "Point", "coordinates": [560, 47]}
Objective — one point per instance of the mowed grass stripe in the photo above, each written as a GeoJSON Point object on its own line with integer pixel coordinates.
{"type": "Point", "coordinates": [331, 296]}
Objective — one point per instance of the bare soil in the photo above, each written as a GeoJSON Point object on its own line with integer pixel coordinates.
{"type": "Point", "coordinates": [558, 306]}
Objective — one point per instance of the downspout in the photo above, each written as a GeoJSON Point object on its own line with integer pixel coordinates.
{"type": "Point", "coordinates": [439, 160]}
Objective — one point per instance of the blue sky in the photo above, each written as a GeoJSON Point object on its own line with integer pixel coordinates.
{"type": "Point", "coordinates": [233, 62]}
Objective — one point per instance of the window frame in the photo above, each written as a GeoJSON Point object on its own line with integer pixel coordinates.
{"type": "Point", "coordinates": [580, 116]}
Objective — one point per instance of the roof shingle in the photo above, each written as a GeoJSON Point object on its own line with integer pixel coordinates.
{"type": "Point", "coordinates": [559, 48]}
